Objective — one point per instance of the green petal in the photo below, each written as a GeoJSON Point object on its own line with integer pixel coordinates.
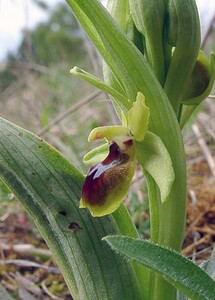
{"type": "Point", "coordinates": [155, 159]}
{"type": "Point", "coordinates": [138, 118]}
{"type": "Point", "coordinates": [96, 155]}
{"type": "Point", "coordinates": [107, 132]}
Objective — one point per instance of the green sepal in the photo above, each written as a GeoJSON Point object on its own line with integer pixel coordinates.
{"type": "Point", "coordinates": [155, 159]}
{"type": "Point", "coordinates": [96, 155]}
{"type": "Point", "coordinates": [138, 118]}
{"type": "Point", "coordinates": [201, 80]}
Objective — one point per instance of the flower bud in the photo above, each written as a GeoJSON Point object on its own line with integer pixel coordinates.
{"type": "Point", "coordinates": [201, 80]}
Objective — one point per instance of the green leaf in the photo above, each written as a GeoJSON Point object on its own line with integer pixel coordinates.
{"type": "Point", "coordinates": [187, 44]}
{"type": "Point", "coordinates": [49, 187]}
{"type": "Point", "coordinates": [148, 16]}
{"type": "Point", "coordinates": [179, 271]}
{"type": "Point", "coordinates": [155, 159]}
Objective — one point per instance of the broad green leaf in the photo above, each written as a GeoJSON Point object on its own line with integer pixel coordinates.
{"type": "Point", "coordinates": [49, 188]}
{"type": "Point", "coordinates": [100, 84]}
{"type": "Point", "coordinates": [179, 271]}
{"type": "Point", "coordinates": [155, 159]}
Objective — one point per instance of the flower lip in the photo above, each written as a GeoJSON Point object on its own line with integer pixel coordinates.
{"type": "Point", "coordinates": [103, 176]}
{"type": "Point", "coordinates": [114, 158]}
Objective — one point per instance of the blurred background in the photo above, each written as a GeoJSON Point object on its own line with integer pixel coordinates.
{"type": "Point", "coordinates": [40, 42]}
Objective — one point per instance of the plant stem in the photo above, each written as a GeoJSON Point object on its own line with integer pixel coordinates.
{"type": "Point", "coordinates": [167, 220]}
{"type": "Point", "coordinates": [160, 289]}
{"type": "Point", "coordinates": [127, 227]}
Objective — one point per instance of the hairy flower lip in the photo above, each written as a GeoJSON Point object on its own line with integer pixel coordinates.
{"type": "Point", "coordinates": [114, 158]}
{"type": "Point", "coordinates": [106, 179]}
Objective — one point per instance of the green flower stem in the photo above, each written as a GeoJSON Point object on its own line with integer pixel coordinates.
{"type": "Point", "coordinates": [165, 219]}
{"type": "Point", "coordinates": [135, 75]}
{"type": "Point", "coordinates": [160, 289]}
{"type": "Point", "coordinates": [187, 111]}
{"type": "Point", "coordinates": [154, 209]}
{"type": "Point", "coordinates": [126, 227]}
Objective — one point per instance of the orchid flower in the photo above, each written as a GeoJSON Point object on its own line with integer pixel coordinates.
{"type": "Point", "coordinates": [107, 182]}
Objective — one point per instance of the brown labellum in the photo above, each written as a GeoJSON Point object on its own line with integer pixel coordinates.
{"type": "Point", "coordinates": [107, 183]}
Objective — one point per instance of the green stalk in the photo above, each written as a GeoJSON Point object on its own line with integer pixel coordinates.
{"type": "Point", "coordinates": [134, 75]}
{"type": "Point", "coordinates": [153, 193]}
{"type": "Point", "coordinates": [121, 217]}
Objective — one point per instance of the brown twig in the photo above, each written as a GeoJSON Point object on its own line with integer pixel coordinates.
{"type": "Point", "coordinates": [65, 114]}
{"type": "Point", "coordinates": [191, 247]}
